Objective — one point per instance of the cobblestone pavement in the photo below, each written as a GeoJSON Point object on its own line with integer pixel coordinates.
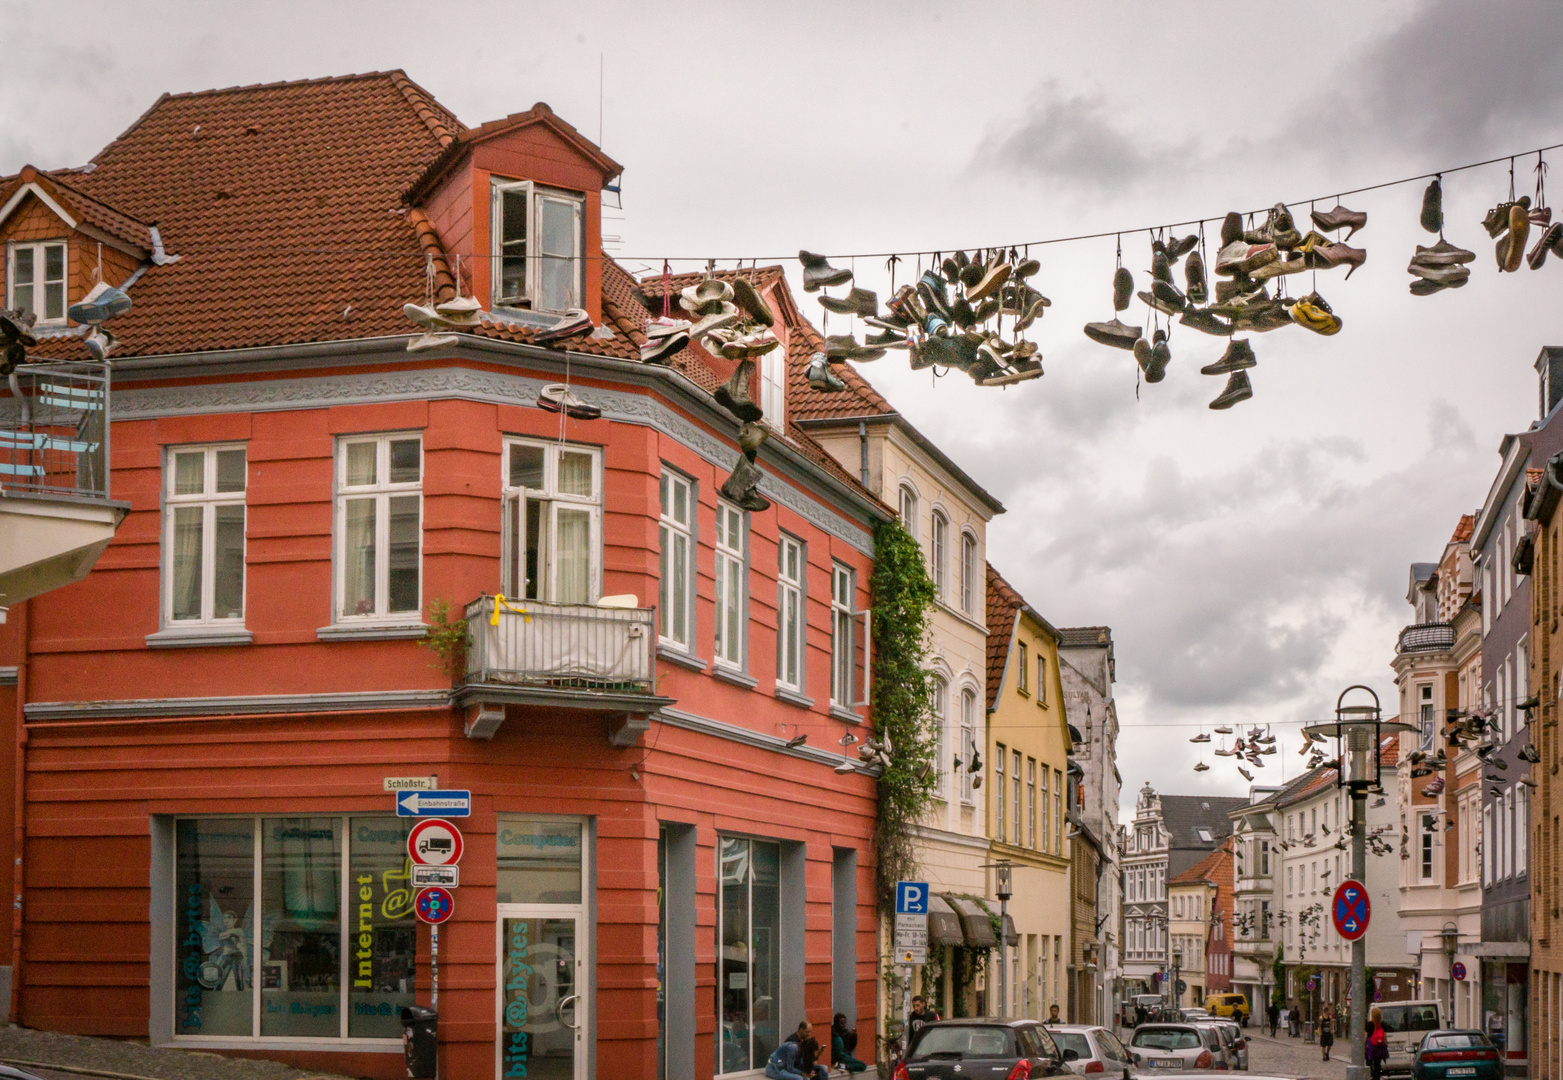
{"type": "Point", "coordinates": [135, 1061]}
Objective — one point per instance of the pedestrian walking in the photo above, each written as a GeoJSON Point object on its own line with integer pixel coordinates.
{"type": "Point", "coordinates": [1376, 1048]}
{"type": "Point", "coordinates": [1273, 1014]}
{"type": "Point", "coordinates": [1326, 1031]}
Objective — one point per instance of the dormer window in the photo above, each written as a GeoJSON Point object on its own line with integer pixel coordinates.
{"type": "Point", "coordinates": [538, 243]}
{"type": "Point", "coordinates": [35, 279]}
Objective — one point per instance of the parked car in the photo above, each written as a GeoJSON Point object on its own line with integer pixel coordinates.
{"type": "Point", "coordinates": [1448, 1054]}
{"type": "Point", "coordinates": [983, 1046]}
{"type": "Point", "coordinates": [1235, 1041]}
{"type": "Point", "coordinates": [1156, 1047]}
{"type": "Point", "coordinates": [1406, 1023]}
{"type": "Point", "coordinates": [1234, 1005]}
{"type": "Point", "coordinates": [1096, 1049]}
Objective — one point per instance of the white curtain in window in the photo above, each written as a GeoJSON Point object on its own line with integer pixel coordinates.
{"type": "Point", "coordinates": [574, 556]}
{"type": "Point", "coordinates": [187, 561]}
{"type": "Point", "coordinates": [358, 570]}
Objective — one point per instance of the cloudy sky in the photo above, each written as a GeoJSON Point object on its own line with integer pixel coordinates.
{"type": "Point", "coordinates": [1251, 563]}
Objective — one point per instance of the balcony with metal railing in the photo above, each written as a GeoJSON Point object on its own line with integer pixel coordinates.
{"type": "Point", "coordinates": [573, 656]}
{"type": "Point", "coordinates": [55, 505]}
{"type": "Point", "coordinates": [1426, 637]}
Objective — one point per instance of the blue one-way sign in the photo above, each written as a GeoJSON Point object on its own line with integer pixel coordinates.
{"type": "Point", "coordinates": [911, 898]}
{"type": "Point", "coordinates": [434, 804]}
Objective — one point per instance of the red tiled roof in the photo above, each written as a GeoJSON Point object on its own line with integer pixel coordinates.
{"type": "Point", "coordinates": [456, 147]}
{"type": "Point", "coordinates": [1206, 869]}
{"type": "Point", "coordinates": [1003, 604]}
{"type": "Point", "coordinates": [1462, 531]}
{"type": "Point", "coordinates": [62, 188]}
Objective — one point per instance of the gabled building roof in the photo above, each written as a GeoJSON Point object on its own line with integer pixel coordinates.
{"type": "Point", "coordinates": [1003, 605]}
{"type": "Point", "coordinates": [1084, 637]}
{"type": "Point", "coordinates": [1207, 870]}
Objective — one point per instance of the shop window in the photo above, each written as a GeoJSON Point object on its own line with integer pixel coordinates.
{"type": "Point", "coordinates": [553, 521]}
{"type": "Point", "coordinates": [729, 565]}
{"type": "Point", "coordinates": [203, 535]}
{"type": "Point", "coordinates": [37, 280]}
{"type": "Point", "coordinates": [539, 861]}
{"type": "Point", "coordinates": [379, 525]}
{"type": "Point", "coordinates": [748, 967]}
{"type": "Point", "coordinates": [790, 615]}
{"type": "Point", "coordinates": [274, 942]}
{"type": "Point", "coordinates": [538, 246]}
{"type": "Point", "coordinates": [676, 588]}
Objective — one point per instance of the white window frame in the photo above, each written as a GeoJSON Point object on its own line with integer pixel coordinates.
{"type": "Point", "coordinates": [773, 383]}
{"type": "Point", "coordinates": [1425, 708]}
{"type": "Point", "coordinates": [670, 531]}
{"type": "Point", "coordinates": [1031, 802]}
{"type": "Point", "coordinates": [40, 282]}
{"type": "Point", "coordinates": [536, 196]}
{"type": "Point", "coordinates": [731, 573]}
{"type": "Point", "coordinates": [968, 739]}
{"type": "Point", "coordinates": [1521, 829]}
{"type": "Point", "coordinates": [843, 640]}
{"type": "Point", "coordinates": [1018, 809]}
{"type": "Point", "coordinates": [1020, 668]}
{"type": "Point", "coordinates": [791, 612]}
{"type": "Point", "coordinates": [940, 708]}
{"type": "Point", "coordinates": [1427, 849]}
{"type": "Point", "coordinates": [999, 816]}
{"type": "Point", "coordinates": [209, 499]}
{"type": "Point", "coordinates": [1047, 817]}
{"type": "Point", "coordinates": [907, 504]}
{"type": "Point", "coordinates": [1487, 846]}
{"type": "Point", "coordinates": [968, 570]}
{"type": "Point", "coordinates": [382, 492]}
{"type": "Point", "coordinates": [1041, 677]}
{"type": "Point", "coordinates": [939, 553]}
{"type": "Point", "coordinates": [550, 501]}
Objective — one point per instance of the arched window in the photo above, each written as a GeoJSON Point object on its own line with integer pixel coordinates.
{"type": "Point", "coordinates": [936, 556]}
{"type": "Point", "coordinates": [909, 510]}
{"type": "Point", "coordinates": [968, 572]}
{"type": "Point", "coordinates": [940, 691]}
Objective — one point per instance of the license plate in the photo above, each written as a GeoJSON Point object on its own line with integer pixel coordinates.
{"type": "Point", "coordinates": [1174, 1063]}
{"type": "Point", "coordinates": [1464, 1071]}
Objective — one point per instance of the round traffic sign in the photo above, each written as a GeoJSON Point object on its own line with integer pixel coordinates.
{"type": "Point", "coordinates": [435, 904]}
{"type": "Point", "coordinates": [1313, 984]}
{"type": "Point", "coordinates": [1457, 971]}
{"type": "Point", "coordinates": [434, 842]}
{"type": "Point", "coordinates": [1351, 910]}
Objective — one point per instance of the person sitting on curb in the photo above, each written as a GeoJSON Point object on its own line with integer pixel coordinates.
{"type": "Point", "coordinates": [792, 1060]}
{"type": "Point", "coordinates": [843, 1040]}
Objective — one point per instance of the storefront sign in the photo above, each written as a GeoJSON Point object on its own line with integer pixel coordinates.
{"type": "Point", "coordinates": [411, 783]}
{"type": "Point", "coordinates": [435, 905]}
{"type": "Point", "coordinates": [434, 843]}
{"type": "Point", "coordinates": [434, 804]}
{"type": "Point", "coordinates": [447, 877]}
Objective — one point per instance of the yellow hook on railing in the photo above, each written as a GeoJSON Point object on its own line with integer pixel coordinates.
{"type": "Point", "coordinates": [501, 602]}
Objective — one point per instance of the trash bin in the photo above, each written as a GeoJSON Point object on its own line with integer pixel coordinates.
{"type": "Point", "coordinates": [418, 1041]}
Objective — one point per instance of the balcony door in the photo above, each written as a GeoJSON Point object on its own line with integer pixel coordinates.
{"type": "Point", "coordinates": [542, 999]}
{"type": "Point", "coordinates": [552, 530]}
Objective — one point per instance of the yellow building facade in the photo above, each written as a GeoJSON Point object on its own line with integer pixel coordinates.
{"type": "Point", "coordinates": [1027, 801]}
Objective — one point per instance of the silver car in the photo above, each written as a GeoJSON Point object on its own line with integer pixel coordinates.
{"type": "Point", "coordinates": [1232, 1038]}
{"type": "Point", "coordinates": [1097, 1050]}
{"type": "Point", "coordinates": [1160, 1047]}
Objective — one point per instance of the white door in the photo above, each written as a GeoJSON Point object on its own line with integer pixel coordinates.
{"type": "Point", "coordinates": [542, 992]}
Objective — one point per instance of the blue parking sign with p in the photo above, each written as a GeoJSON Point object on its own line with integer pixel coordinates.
{"type": "Point", "coordinates": [911, 898]}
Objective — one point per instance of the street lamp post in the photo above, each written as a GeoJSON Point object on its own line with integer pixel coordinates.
{"type": "Point", "coordinates": [1358, 731]}
{"type": "Point", "coordinates": [1003, 890]}
{"type": "Point", "coordinates": [1450, 935]}
{"type": "Point", "coordinates": [1177, 970]}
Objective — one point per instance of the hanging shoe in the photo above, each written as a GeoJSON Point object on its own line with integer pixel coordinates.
{"type": "Point", "coordinates": [1203, 320]}
{"type": "Point", "coordinates": [1496, 220]}
{"type": "Point", "coordinates": [1200, 738]}
{"type": "Point", "coordinates": [427, 317]}
{"type": "Point", "coordinates": [984, 310]}
{"type": "Point", "coordinates": [1239, 355]}
{"type": "Point", "coordinates": [961, 313]}
{"type": "Point", "coordinates": [1312, 312]}
{"type": "Point", "coordinates": [1018, 370]}
{"type": "Point", "coordinates": [1161, 265]}
{"type": "Point", "coordinates": [1123, 288]}
{"type": "Point", "coordinates": [1161, 356]}
{"type": "Point", "coordinates": [17, 325]}
{"type": "Point", "coordinates": [886, 339]}
{"type": "Point", "coordinates": [1113, 333]}
{"type": "Point", "coordinates": [428, 340]}
{"type": "Point", "coordinates": [751, 437]}
{"type": "Point", "coordinates": [951, 268]}
{"type": "Point", "coordinates": [993, 277]}
{"type": "Point", "coordinates": [1142, 353]}
{"type": "Point", "coordinates": [1519, 232]}
{"type": "Point", "coordinates": [725, 316]}
{"type": "Point", "coordinates": [751, 303]}
{"type": "Point", "coordinates": [860, 302]}
{"type": "Point", "coordinates": [1032, 313]}
{"type": "Point", "coordinates": [931, 290]}
{"type": "Point", "coordinates": [1433, 207]}
{"type": "Point", "coordinates": [102, 303]}
{"type": "Point", "coordinates": [1246, 774]}
{"type": "Point", "coordinates": [734, 394]}
{"type": "Point", "coordinates": [99, 343]}
{"type": "Point", "coordinates": [1176, 248]}
{"type": "Point", "coordinates": [821, 377]}
{"type": "Point", "coordinates": [845, 347]}
{"type": "Point", "coordinates": [1438, 277]}
{"type": "Point", "coordinates": [557, 397]}
{"type": "Point", "coordinates": [971, 275]}
{"type": "Point", "coordinates": [1442, 253]}
{"type": "Point", "coordinates": [574, 322]}
{"type": "Point", "coordinates": [1339, 218]}
{"type": "Point", "coordinates": [1231, 228]}
{"type": "Point", "coordinates": [1164, 298]}
{"type": "Point", "coordinates": [742, 486]}
{"type": "Point", "coordinates": [1222, 729]}
{"type": "Point", "coordinates": [464, 311]}
{"type": "Point", "coordinates": [1281, 267]}
{"type": "Point", "coordinates": [1195, 287]}
{"type": "Point", "coordinates": [1530, 753]}
{"type": "Point", "coordinates": [818, 273]}
{"type": "Point", "coordinates": [1201, 767]}
{"type": "Point", "coordinates": [1546, 242]}
{"type": "Point", "coordinates": [1025, 268]}
{"type": "Point", "coordinates": [1328, 256]}
{"type": "Point", "coordinates": [1241, 257]}
{"type": "Point", "coordinates": [664, 346]}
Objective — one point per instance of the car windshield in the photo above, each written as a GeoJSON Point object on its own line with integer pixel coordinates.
{"type": "Point", "coordinates": [1459, 1040]}
{"type": "Point", "coordinates": [963, 1041]}
{"type": "Point", "coordinates": [1149, 1038]}
{"type": "Point", "coordinates": [1076, 1041]}
{"type": "Point", "coordinates": [1410, 1018]}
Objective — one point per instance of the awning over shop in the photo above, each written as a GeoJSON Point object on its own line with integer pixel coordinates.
{"type": "Point", "coordinates": [944, 926]}
{"type": "Point", "coordinates": [1498, 950]}
{"type": "Point", "coordinates": [974, 921]}
{"type": "Point", "coordinates": [1011, 937]}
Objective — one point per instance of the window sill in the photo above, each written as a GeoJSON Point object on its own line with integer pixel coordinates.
{"type": "Point", "coordinates": [792, 697]}
{"type": "Point", "coordinates": [677, 656]}
{"type": "Point", "coordinates": [848, 715]}
{"type": "Point", "coordinates": [194, 637]}
{"type": "Point", "coordinates": [371, 631]}
{"type": "Point", "coordinates": [734, 676]}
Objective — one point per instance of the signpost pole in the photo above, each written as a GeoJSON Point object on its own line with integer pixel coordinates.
{"type": "Point", "coordinates": [1359, 947]}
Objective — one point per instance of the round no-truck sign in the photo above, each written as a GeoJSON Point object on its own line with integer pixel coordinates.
{"type": "Point", "coordinates": [434, 842]}
{"type": "Point", "coordinates": [1351, 910]}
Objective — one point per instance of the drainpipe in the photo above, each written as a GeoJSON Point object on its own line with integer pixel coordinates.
{"type": "Point", "coordinates": [19, 835]}
{"type": "Point", "coordinates": [862, 452]}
